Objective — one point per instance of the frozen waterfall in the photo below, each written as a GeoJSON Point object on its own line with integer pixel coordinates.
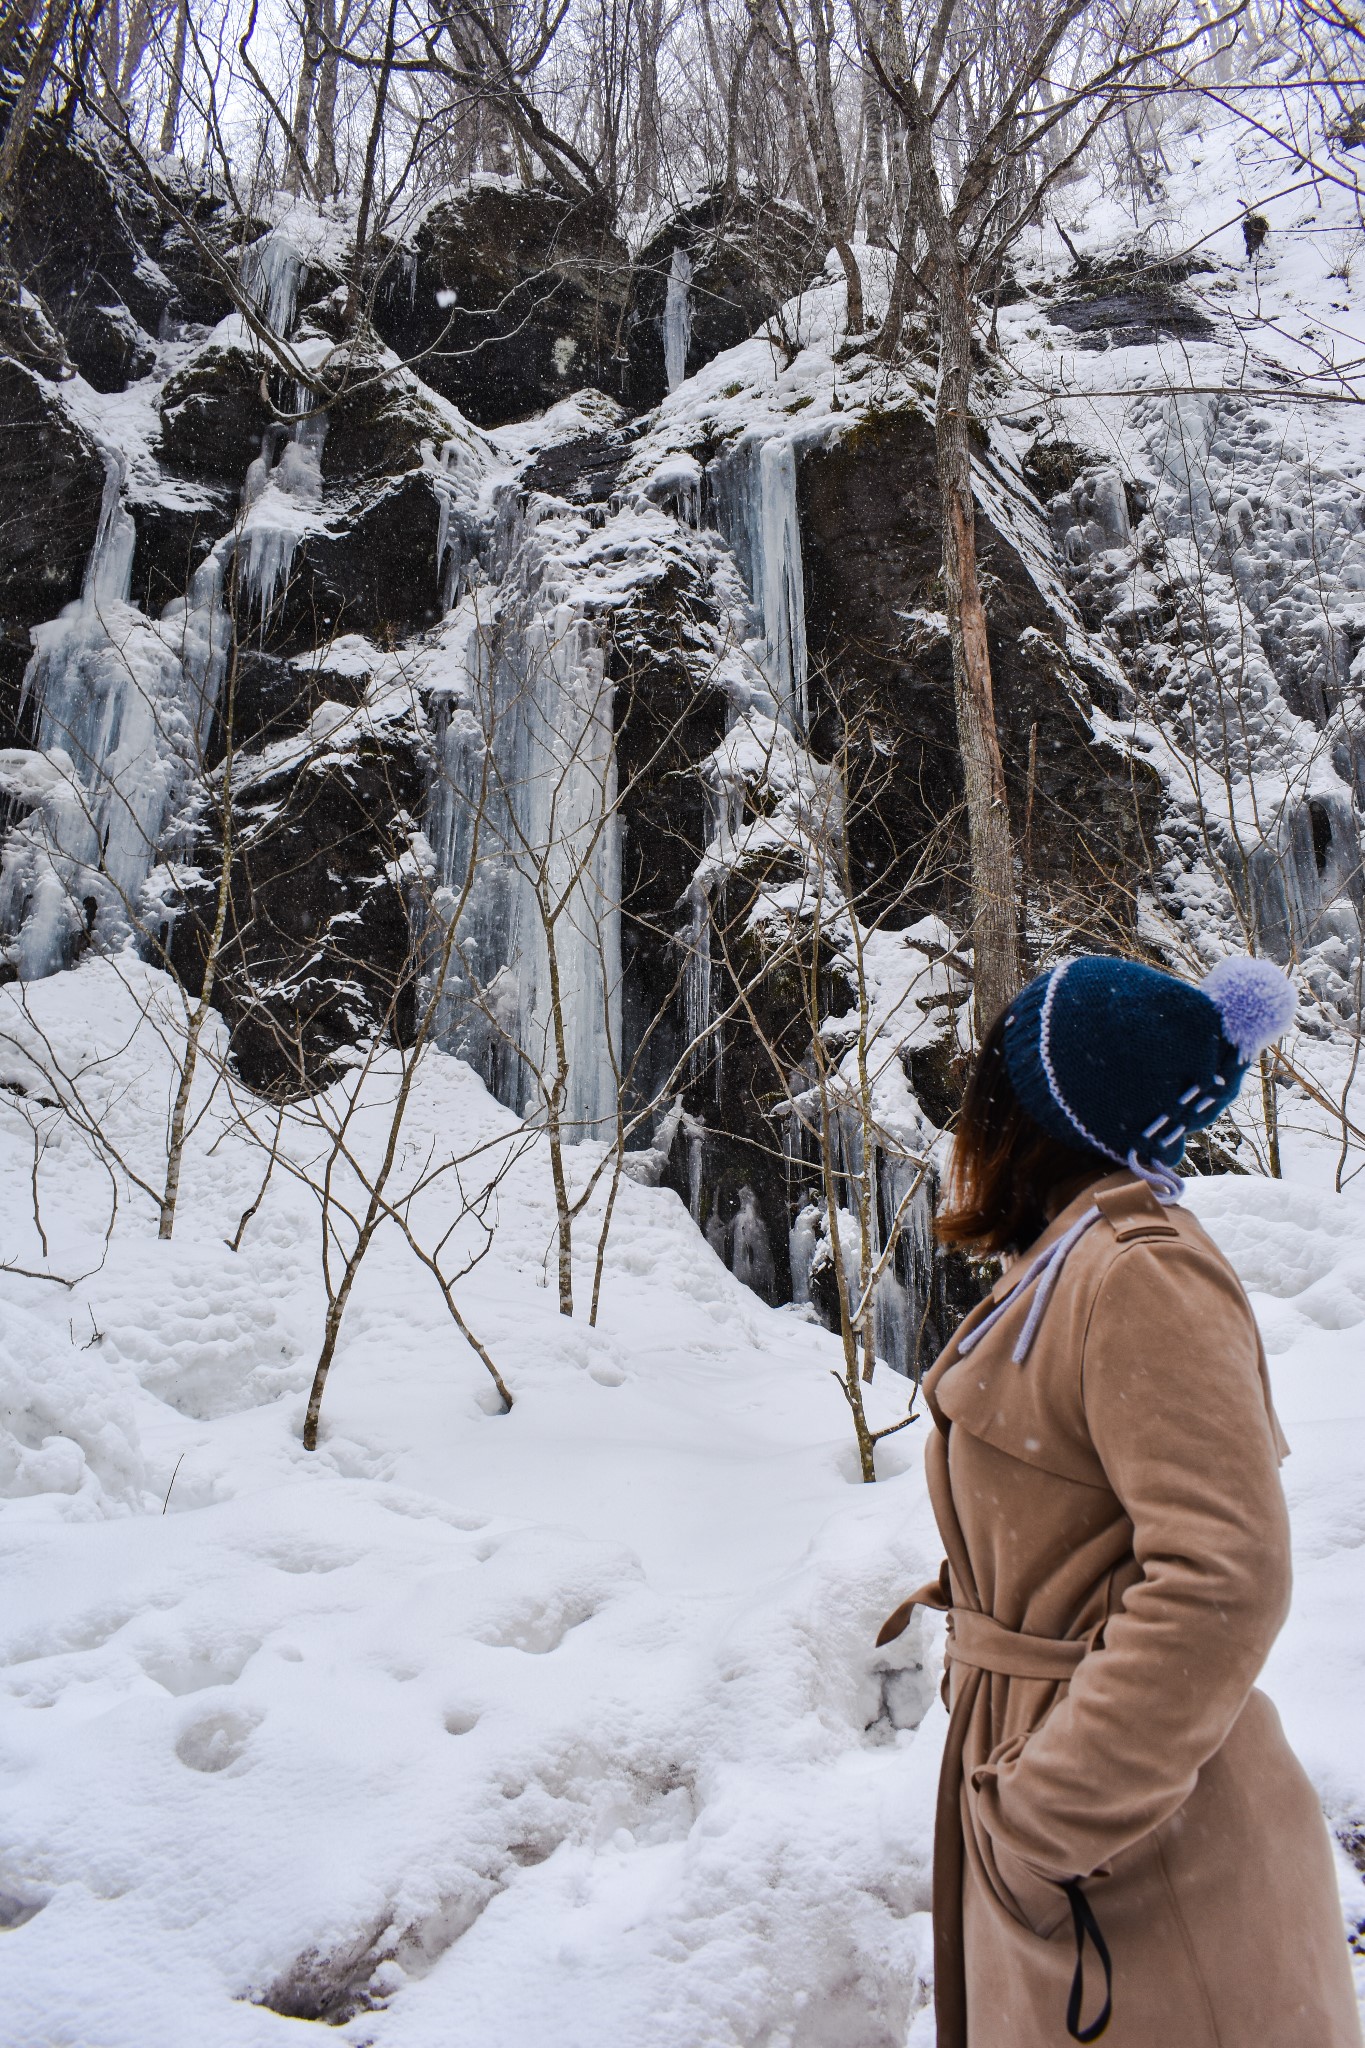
{"type": "Point", "coordinates": [524, 811]}
{"type": "Point", "coordinates": [281, 501]}
{"type": "Point", "coordinates": [753, 489]}
{"type": "Point", "coordinates": [123, 708]}
{"type": "Point", "coordinates": [271, 273]}
{"type": "Point", "coordinates": [678, 317]}
{"type": "Point", "coordinates": [904, 1303]}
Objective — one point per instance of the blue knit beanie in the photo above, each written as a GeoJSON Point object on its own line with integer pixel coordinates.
{"type": "Point", "coordinates": [1127, 1060]}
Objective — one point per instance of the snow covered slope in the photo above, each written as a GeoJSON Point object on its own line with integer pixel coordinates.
{"type": "Point", "coordinates": [560, 1727]}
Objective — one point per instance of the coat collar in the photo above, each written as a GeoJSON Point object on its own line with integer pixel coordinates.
{"type": "Point", "coordinates": [1061, 1222]}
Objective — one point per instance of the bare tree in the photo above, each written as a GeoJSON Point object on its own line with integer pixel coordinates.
{"type": "Point", "coordinates": [979, 98]}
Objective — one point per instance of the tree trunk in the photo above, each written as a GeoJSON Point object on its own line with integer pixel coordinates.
{"type": "Point", "coordinates": [874, 173]}
{"type": "Point", "coordinates": [26, 103]}
{"type": "Point", "coordinates": [839, 205]}
{"type": "Point", "coordinates": [554, 1122]}
{"type": "Point", "coordinates": [175, 1151]}
{"type": "Point", "coordinates": [648, 117]}
{"type": "Point", "coordinates": [328, 80]}
{"type": "Point", "coordinates": [335, 1312]}
{"type": "Point", "coordinates": [296, 169]}
{"type": "Point", "coordinates": [136, 37]}
{"type": "Point", "coordinates": [732, 99]}
{"type": "Point", "coordinates": [903, 290]}
{"type": "Point", "coordinates": [16, 18]}
{"type": "Point", "coordinates": [170, 124]}
{"type": "Point", "coordinates": [1270, 1110]}
{"type": "Point", "coordinates": [995, 929]}
{"type": "Point", "coordinates": [995, 920]}
{"type": "Point", "coordinates": [362, 218]}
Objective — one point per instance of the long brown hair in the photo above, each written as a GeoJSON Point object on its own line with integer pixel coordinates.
{"type": "Point", "coordinates": [1004, 1165]}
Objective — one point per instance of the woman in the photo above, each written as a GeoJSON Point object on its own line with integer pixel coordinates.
{"type": "Point", "coordinates": [1125, 1843]}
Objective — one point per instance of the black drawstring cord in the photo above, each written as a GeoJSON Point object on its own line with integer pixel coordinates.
{"type": "Point", "coordinates": [1084, 1922]}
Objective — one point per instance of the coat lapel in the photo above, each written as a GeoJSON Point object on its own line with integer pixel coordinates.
{"type": "Point", "coordinates": [1060, 1223]}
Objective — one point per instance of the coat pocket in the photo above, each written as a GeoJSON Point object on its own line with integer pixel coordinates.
{"type": "Point", "coordinates": [1038, 1901]}
{"type": "Point", "coordinates": [1027, 1895]}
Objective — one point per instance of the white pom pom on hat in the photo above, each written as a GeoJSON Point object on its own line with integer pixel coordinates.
{"type": "Point", "coordinates": [1256, 1000]}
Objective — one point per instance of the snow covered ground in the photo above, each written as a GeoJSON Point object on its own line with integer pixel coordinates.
{"type": "Point", "coordinates": [560, 1727]}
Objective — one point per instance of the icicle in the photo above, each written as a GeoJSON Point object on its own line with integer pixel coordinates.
{"type": "Point", "coordinates": [697, 980]}
{"type": "Point", "coordinates": [453, 557]}
{"type": "Point", "coordinates": [782, 590]}
{"type": "Point", "coordinates": [696, 1144]}
{"type": "Point", "coordinates": [532, 683]}
{"type": "Point", "coordinates": [280, 505]}
{"type": "Point", "coordinates": [803, 1243]}
{"type": "Point", "coordinates": [272, 270]}
{"type": "Point", "coordinates": [751, 1257]}
{"type": "Point", "coordinates": [678, 317]}
{"type": "Point", "coordinates": [123, 709]}
{"type": "Point", "coordinates": [755, 497]}
{"type": "Point", "coordinates": [258, 470]}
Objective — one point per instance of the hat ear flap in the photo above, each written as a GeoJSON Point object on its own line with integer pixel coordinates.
{"type": "Point", "coordinates": [1256, 1001]}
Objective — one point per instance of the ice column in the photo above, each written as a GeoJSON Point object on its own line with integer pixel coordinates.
{"type": "Point", "coordinates": [698, 1018]}
{"type": "Point", "coordinates": [754, 490]}
{"type": "Point", "coordinates": [454, 550]}
{"type": "Point", "coordinates": [564, 782]}
{"type": "Point", "coordinates": [678, 317]}
{"type": "Point", "coordinates": [123, 709]}
{"type": "Point", "coordinates": [751, 1257]}
{"type": "Point", "coordinates": [272, 271]}
{"type": "Point", "coordinates": [903, 1301]}
{"type": "Point", "coordinates": [281, 504]}
{"type": "Point", "coordinates": [539, 944]}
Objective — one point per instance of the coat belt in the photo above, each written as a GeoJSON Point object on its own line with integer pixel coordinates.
{"type": "Point", "coordinates": [981, 1642]}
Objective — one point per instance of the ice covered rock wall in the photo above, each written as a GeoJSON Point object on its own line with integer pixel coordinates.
{"type": "Point", "coordinates": [523, 816]}
{"type": "Point", "coordinates": [1230, 585]}
{"type": "Point", "coordinates": [122, 708]}
{"type": "Point", "coordinates": [566, 693]}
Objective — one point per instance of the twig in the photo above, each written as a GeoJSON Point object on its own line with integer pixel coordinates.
{"type": "Point", "coordinates": [178, 1463]}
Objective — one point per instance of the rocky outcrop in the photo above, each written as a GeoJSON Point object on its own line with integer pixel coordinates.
{"type": "Point", "coordinates": [1245, 641]}
{"type": "Point", "coordinates": [26, 333]}
{"type": "Point", "coordinates": [176, 529]}
{"type": "Point", "coordinates": [377, 572]}
{"type": "Point", "coordinates": [362, 520]}
{"type": "Point", "coordinates": [369, 566]}
{"type": "Point", "coordinates": [510, 300]}
{"type": "Point", "coordinates": [881, 672]}
{"type": "Point", "coordinates": [318, 952]}
{"type": "Point", "coordinates": [213, 413]}
{"type": "Point", "coordinates": [380, 419]}
{"type": "Point", "coordinates": [744, 257]}
{"type": "Point", "coordinates": [75, 243]}
{"type": "Point", "coordinates": [1131, 300]}
{"type": "Point", "coordinates": [51, 486]}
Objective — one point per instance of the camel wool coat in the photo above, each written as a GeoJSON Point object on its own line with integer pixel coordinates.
{"type": "Point", "coordinates": [1117, 1495]}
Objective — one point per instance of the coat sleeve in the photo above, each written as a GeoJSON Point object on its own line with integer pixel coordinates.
{"type": "Point", "coordinates": [1177, 1411]}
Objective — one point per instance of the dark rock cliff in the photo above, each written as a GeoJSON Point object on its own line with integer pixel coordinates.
{"type": "Point", "coordinates": [51, 485]}
{"type": "Point", "coordinates": [511, 300]}
{"type": "Point", "coordinates": [745, 257]}
{"type": "Point", "coordinates": [881, 664]}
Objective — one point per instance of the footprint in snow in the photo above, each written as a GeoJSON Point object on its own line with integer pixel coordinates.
{"type": "Point", "coordinates": [216, 1740]}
